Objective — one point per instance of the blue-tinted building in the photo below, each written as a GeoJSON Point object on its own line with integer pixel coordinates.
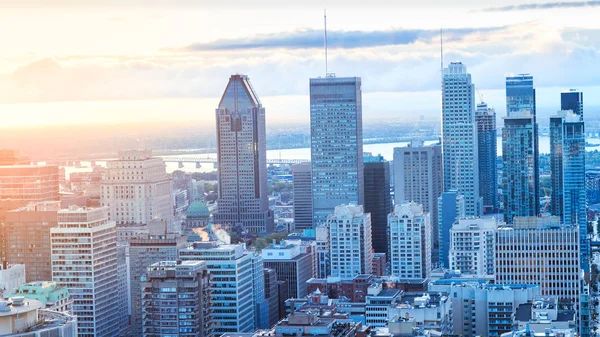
{"type": "Point", "coordinates": [486, 142]}
{"type": "Point", "coordinates": [336, 144]}
{"type": "Point", "coordinates": [451, 206]}
{"type": "Point", "coordinates": [572, 100]}
{"type": "Point", "coordinates": [567, 158]}
{"type": "Point", "coordinates": [378, 200]}
{"type": "Point", "coordinates": [520, 150]}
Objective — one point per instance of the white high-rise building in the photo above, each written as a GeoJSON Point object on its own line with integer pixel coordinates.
{"type": "Point", "coordinates": [459, 136]}
{"type": "Point", "coordinates": [242, 158]}
{"type": "Point", "coordinates": [540, 251]}
{"type": "Point", "coordinates": [84, 260]}
{"type": "Point", "coordinates": [409, 228]}
{"type": "Point", "coordinates": [137, 189]}
{"type": "Point", "coordinates": [351, 251]}
{"type": "Point", "coordinates": [472, 246]}
{"type": "Point", "coordinates": [232, 278]}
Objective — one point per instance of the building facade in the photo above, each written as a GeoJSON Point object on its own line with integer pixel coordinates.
{"type": "Point", "coordinates": [572, 100]}
{"type": "Point", "coordinates": [84, 260]}
{"type": "Point", "coordinates": [378, 199]}
{"type": "Point", "coordinates": [232, 291]}
{"type": "Point", "coordinates": [242, 159]}
{"type": "Point", "coordinates": [290, 264]}
{"type": "Point", "coordinates": [520, 150]}
{"type": "Point", "coordinates": [303, 197]}
{"type": "Point", "coordinates": [419, 178]}
{"type": "Point", "coordinates": [351, 252]}
{"type": "Point", "coordinates": [451, 206]}
{"type": "Point", "coordinates": [410, 241]}
{"type": "Point", "coordinates": [136, 189]}
{"type": "Point", "coordinates": [472, 246]}
{"type": "Point", "coordinates": [176, 300]}
{"type": "Point", "coordinates": [459, 136]}
{"type": "Point", "coordinates": [336, 144]}
{"type": "Point", "coordinates": [486, 141]}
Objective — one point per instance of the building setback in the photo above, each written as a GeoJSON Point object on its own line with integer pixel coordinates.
{"type": "Point", "coordinates": [336, 144]}
{"type": "Point", "coordinates": [242, 159]}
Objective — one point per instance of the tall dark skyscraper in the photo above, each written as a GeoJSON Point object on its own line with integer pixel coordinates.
{"type": "Point", "coordinates": [486, 141]}
{"type": "Point", "coordinates": [572, 100]}
{"type": "Point", "coordinates": [336, 144]}
{"type": "Point", "coordinates": [520, 150]}
{"type": "Point", "coordinates": [303, 203]}
{"type": "Point", "coordinates": [242, 158]}
{"type": "Point", "coordinates": [377, 199]}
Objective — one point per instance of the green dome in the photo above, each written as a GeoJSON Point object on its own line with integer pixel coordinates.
{"type": "Point", "coordinates": [197, 209]}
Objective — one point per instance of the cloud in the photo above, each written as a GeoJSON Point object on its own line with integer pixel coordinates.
{"type": "Point", "coordinates": [312, 38]}
{"type": "Point", "coordinates": [546, 5]}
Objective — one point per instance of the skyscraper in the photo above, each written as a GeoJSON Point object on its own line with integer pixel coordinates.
{"type": "Point", "coordinates": [567, 159]}
{"type": "Point", "coordinates": [378, 199]}
{"type": "Point", "coordinates": [242, 158]}
{"type": "Point", "coordinates": [336, 144]}
{"type": "Point", "coordinates": [232, 279]}
{"type": "Point", "coordinates": [410, 242]}
{"type": "Point", "coordinates": [472, 246]}
{"type": "Point", "coordinates": [451, 206]}
{"type": "Point", "coordinates": [290, 264]}
{"type": "Point", "coordinates": [303, 200]}
{"type": "Point", "coordinates": [177, 299]}
{"type": "Point", "coordinates": [459, 136]}
{"type": "Point", "coordinates": [419, 178]}
{"type": "Point", "coordinates": [84, 260]}
{"type": "Point", "coordinates": [486, 140]}
{"type": "Point", "coordinates": [144, 250]}
{"type": "Point", "coordinates": [572, 100]}
{"type": "Point", "coordinates": [351, 251]}
{"type": "Point", "coordinates": [520, 151]}
{"type": "Point", "coordinates": [137, 189]}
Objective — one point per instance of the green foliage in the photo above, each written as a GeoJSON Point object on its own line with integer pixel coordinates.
{"type": "Point", "coordinates": [261, 243]}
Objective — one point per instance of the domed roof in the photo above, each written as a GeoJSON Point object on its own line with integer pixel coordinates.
{"type": "Point", "coordinates": [197, 209]}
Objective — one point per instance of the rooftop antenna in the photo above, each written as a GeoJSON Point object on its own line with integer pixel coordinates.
{"type": "Point", "coordinates": [325, 21]}
{"type": "Point", "coordinates": [442, 58]}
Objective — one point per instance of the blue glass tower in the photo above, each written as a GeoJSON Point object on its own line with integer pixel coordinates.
{"type": "Point", "coordinates": [336, 144]}
{"type": "Point", "coordinates": [451, 206]}
{"type": "Point", "coordinates": [572, 100]}
{"type": "Point", "coordinates": [486, 142]}
{"type": "Point", "coordinates": [520, 149]}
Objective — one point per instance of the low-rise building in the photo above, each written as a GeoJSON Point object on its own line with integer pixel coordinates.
{"type": "Point", "coordinates": [428, 311]}
{"type": "Point", "coordinates": [529, 332]}
{"type": "Point", "coordinates": [544, 313]}
{"type": "Point", "coordinates": [379, 264]}
{"type": "Point", "coordinates": [11, 277]}
{"type": "Point", "coordinates": [52, 296]}
{"type": "Point", "coordinates": [21, 317]}
{"type": "Point", "coordinates": [378, 302]}
{"type": "Point", "coordinates": [315, 325]}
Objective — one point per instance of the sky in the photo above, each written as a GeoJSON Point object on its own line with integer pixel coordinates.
{"type": "Point", "coordinates": [112, 61]}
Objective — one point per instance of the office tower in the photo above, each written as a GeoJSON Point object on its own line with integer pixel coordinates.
{"type": "Point", "coordinates": [520, 150]}
{"type": "Point", "coordinates": [350, 247]}
{"type": "Point", "coordinates": [459, 136]}
{"type": "Point", "coordinates": [472, 246]}
{"type": "Point", "coordinates": [303, 197]}
{"type": "Point", "coordinates": [480, 309]}
{"type": "Point", "coordinates": [451, 206]}
{"type": "Point", "coordinates": [419, 178]}
{"type": "Point", "coordinates": [486, 142]}
{"type": "Point", "coordinates": [323, 251]}
{"type": "Point", "coordinates": [336, 144]}
{"type": "Point", "coordinates": [378, 199]}
{"type": "Point", "coordinates": [27, 233]}
{"type": "Point", "coordinates": [231, 272]}
{"type": "Point", "coordinates": [88, 269]}
{"type": "Point", "coordinates": [261, 306]}
{"type": "Point", "coordinates": [272, 295]}
{"type": "Point", "coordinates": [572, 100]}
{"type": "Point", "coordinates": [177, 299]}
{"type": "Point", "coordinates": [540, 251]}
{"type": "Point", "coordinates": [410, 242]}
{"type": "Point", "coordinates": [567, 159]}
{"type": "Point", "coordinates": [291, 264]}
{"type": "Point", "coordinates": [143, 250]}
{"type": "Point", "coordinates": [137, 189]}
{"type": "Point", "coordinates": [242, 158]}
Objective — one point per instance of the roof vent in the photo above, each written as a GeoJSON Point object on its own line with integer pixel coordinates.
{"type": "Point", "coordinates": [18, 301]}
{"type": "Point", "coordinates": [4, 306]}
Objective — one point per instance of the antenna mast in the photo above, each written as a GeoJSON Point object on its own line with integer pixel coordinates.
{"type": "Point", "coordinates": [442, 58]}
{"type": "Point", "coordinates": [325, 21]}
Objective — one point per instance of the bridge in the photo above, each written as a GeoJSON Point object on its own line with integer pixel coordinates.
{"type": "Point", "coordinates": [208, 160]}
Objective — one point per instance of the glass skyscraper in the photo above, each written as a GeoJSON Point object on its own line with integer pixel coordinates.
{"type": "Point", "coordinates": [336, 144]}
{"type": "Point", "coordinates": [486, 140]}
{"type": "Point", "coordinates": [378, 200]}
{"type": "Point", "coordinates": [520, 179]}
{"type": "Point", "coordinates": [459, 136]}
{"type": "Point", "coordinates": [567, 158]}
{"type": "Point", "coordinates": [572, 100]}
{"type": "Point", "coordinates": [242, 158]}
